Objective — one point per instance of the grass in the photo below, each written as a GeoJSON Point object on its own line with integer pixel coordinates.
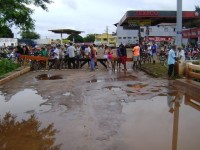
{"type": "Point", "coordinates": [156, 70]}
{"type": "Point", "coordinates": [7, 66]}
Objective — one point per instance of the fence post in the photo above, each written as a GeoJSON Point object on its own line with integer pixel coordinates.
{"type": "Point", "coordinates": [47, 62]}
{"type": "Point", "coordinates": [188, 70]}
{"type": "Point", "coordinates": [24, 62]}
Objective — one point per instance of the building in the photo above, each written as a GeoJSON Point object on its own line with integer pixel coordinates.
{"type": "Point", "coordinates": [191, 36]}
{"type": "Point", "coordinates": [160, 26]}
{"type": "Point", "coordinates": [164, 32]}
{"type": "Point", "coordinates": [126, 36]}
{"type": "Point", "coordinates": [8, 42]}
{"type": "Point", "coordinates": [105, 39]}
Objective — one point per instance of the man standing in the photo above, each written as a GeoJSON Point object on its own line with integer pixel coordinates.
{"type": "Point", "coordinates": [95, 49]}
{"type": "Point", "coordinates": [124, 55]}
{"type": "Point", "coordinates": [181, 59]}
{"type": "Point", "coordinates": [171, 61]}
{"type": "Point", "coordinates": [55, 57]}
{"type": "Point", "coordinates": [153, 49]}
{"type": "Point", "coordinates": [71, 50]}
{"type": "Point", "coordinates": [136, 56]}
{"type": "Point", "coordinates": [180, 54]}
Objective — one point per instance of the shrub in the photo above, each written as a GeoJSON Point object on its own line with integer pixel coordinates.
{"type": "Point", "coordinates": [7, 66]}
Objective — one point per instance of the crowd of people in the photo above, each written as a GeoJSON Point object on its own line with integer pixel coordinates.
{"type": "Point", "coordinates": [70, 54]}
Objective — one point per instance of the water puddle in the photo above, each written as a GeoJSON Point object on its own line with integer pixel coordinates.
{"type": "Point", "coordinates": [162, 94]}
{"type": "Point", "coordinates": [26, 101]}
{"type": "Point", "coordinates": [120, 78]}
{"type": "Point", "coordinates": [137, 86]}
{"type": "Point", "coordinates": [48, 77]}
{"type": "Point", "coordinates": [67, 94]}
{"type": "Point", "coordinates": [126, 78]}
{"type": "Point", "coordinates": [95, 81]}
{"type": "Point", "coordinates": [174, 117]}
{"type": "Point", "coordinates": [114, 88]}
{"type": "Point", "coordinates": [155, 91]}
{"type": "Point", "coordinates": [27, 134]}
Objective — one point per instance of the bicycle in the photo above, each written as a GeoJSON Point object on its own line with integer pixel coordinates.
{"type": "Point", "coordinates": [163, 58]}
{"type": "Point", "coordinates": [37, 65]}
{"type": "Point", "coordinates": [145, 57]}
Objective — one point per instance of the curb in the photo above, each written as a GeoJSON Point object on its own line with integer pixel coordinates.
{"type": "Point", "coordinates": [149, 73]}
{"type": "Point", "coordinates": [14, 74]}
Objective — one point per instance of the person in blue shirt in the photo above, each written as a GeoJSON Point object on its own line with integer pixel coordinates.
{"type": "Point", "coordinates": [153, 50]}
{"type": "Point", "coordinates": [171, 61]}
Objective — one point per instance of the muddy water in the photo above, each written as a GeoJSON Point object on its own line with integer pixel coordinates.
{"type": "Point", "coordinates": [111, 112]}
{"type": "Point", "coordinates": [22, 103]}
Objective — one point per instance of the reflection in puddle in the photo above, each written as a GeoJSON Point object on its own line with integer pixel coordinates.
{"type": "Point", "coordinates": [48, 77]}
{"type": "Point", "coordinates": [24, 101]}
{"type": "Point", "coordinates": [26, 134]}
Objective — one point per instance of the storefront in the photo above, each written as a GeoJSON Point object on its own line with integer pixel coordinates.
{"type": "Point", "coordinates": [192, 36]}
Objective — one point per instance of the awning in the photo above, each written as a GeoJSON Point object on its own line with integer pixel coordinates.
{"type": "Point", "coordinates": [65, 31]}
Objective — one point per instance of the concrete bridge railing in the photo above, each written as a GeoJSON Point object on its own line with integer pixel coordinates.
{"type": "Point", "coordinates": [192, 71]}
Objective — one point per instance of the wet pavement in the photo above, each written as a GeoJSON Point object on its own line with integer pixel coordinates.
{"type": "Point", "coordinates": [101, 110]}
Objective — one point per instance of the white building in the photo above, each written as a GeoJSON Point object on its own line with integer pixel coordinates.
{"type": "Point", "coordinates": [43, 41]}
{"type": "Point", "coordinates": [8, 42]}
{"type": "Point", "coordinates": [126, 36]}
{"type": "Point", "coordinates": [164, 32]}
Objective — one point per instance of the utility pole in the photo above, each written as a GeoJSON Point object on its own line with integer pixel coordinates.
{"type": "Point", "coordinates": [107, 33]}
{"type": "Point", "coordinates": [179, 23]}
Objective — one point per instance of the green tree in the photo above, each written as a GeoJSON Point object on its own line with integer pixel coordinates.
{"type": "Point", "coordinates": [5, 32]}
{"type": "Point", "coordinates": [29, 35]}
{"type": "Point", "coordinates": [17, 12]}
{"type": "Point", "coordinates": [76, 37]}
{"type": "Point", "coordinates": [89, 38]}
{"type": "Point", "coordinates": [197, 8]}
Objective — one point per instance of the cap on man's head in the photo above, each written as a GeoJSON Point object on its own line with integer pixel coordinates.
{"type": "Point", "coordinates": [179, 47]}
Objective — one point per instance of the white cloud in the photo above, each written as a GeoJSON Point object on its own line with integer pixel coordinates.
{"type": "Point", "coordinates": [92, 16]}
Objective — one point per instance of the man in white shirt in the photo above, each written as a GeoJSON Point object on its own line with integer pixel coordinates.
{"type": "Point", "coordinates": [71, 50]}
{"type": "Point", "coordinates": [55, 62]}
{"type": "Point", "coordinates": [181, 60]}
{"type": "Point", "coordinates": [87, 52]}
{"type": "Point", "coordinates": [180, 54]}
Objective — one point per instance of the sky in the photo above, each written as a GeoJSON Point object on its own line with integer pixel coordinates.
{"type": "Point", "coordinates": [93, 16]}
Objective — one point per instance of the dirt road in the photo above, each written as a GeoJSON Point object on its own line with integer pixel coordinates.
{"type": "Point", "coordinates": [101, 110]}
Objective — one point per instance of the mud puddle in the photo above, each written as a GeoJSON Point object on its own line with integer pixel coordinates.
{"type": "Point", "coordinates": [120, 78]}
{"type": "Point", "coordinates": [137, 86]}
{"type": "Point", "coordinates": [26, 101]}
{"type": "Point", "coordinates": [174, 117]}
{"type": "Point", "coordinates": [27, 133]}
{"type": "Point", "coordinates": [114, 88]}
{"type": "Point", "coordinates": [48, 77]}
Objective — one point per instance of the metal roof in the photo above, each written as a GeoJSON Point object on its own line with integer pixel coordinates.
{"type": "Point", "coordinates": [190, 18]}
{"type": "Point", "coordinates": [67, 31]}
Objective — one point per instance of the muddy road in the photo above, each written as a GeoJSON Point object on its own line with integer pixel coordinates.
{"type": "Point", "coordinates": [101, 110]}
